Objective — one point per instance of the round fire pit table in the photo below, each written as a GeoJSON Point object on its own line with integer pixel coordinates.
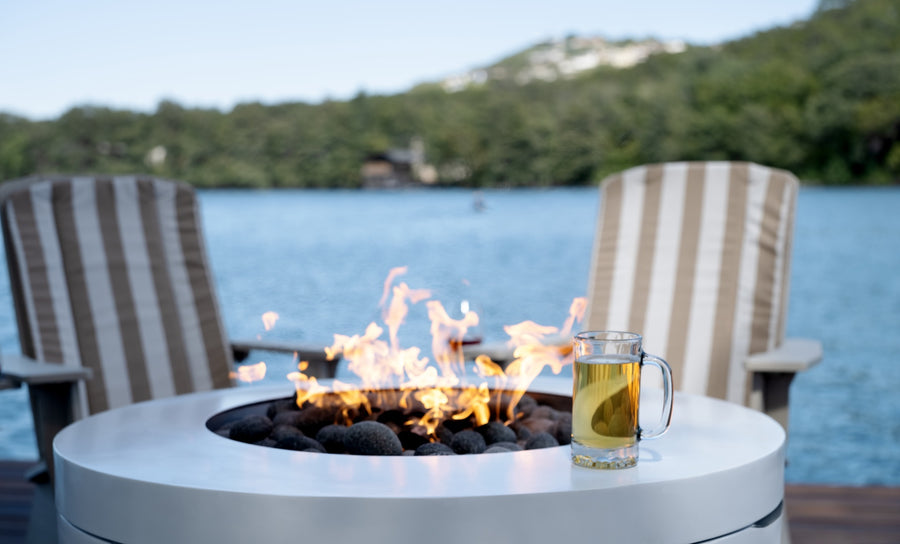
{"type": "Point", "coordinates": [153, 472]}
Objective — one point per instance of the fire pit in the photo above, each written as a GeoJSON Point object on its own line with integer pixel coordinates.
{"type": "Point", "coordinates": [192, 469]}
{"type": "Point", "coordinates": [154, 472]}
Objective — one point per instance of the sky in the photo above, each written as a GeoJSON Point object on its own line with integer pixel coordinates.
{"type": "Point", "coordinates": [57, 54]}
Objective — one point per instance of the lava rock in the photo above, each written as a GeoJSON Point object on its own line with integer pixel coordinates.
{"type": "Point", "coordinates": [389, 417]}
{"type": "Point", "coordinates": [313, 418]}
{"type": "Point", "coordinates": [279, 406]}
{"type": "Point", "coordinates": [267, 442]}
{"type": "Point", "coordinates": [497, 449]}
{"type": "Point", "coordinates": [522, 432]}
{"type": "Point", "coordinates": [372, 438]}
{"type": "Point", "coordinates": [251, 429]}
{"type": "Point", "coordinates": [434, 448]}
{"type": "Point", "coordinates": [541, 440]}
{"type": "Point", "coordinates": [332, 438]}
{"type": "Point", "coordinates": [411, 440]}
{"type": "Point", "coordinates": [456, 425]}
{"type": "Point", "coordinates": [468, 441]}
{"type": "Point", "coordinates": [298, 442]}
{"type": "Point", "coordinates": [525, 406]}
{"type": "Point", "coordinates": [539, 425]}
{"type": "Point", "coordinates": [563, 433]}
{"type": "Point", "coordinates": [288, 417]}
{"type": "Point", "coordinates": [544, 412]}
{"type": "Point", "coordinates": [284, 431]}
{"type": "Point", "coordinates": [496, 432]}
{"type": "Point", "coordinates": [444, 435]}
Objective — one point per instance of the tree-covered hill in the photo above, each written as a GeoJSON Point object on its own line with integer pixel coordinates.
{"type": "Point", "coordinates": [820, 98]}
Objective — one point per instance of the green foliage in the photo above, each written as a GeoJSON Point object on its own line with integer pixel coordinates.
{"type": "Point", "coordinates": [820, 98]}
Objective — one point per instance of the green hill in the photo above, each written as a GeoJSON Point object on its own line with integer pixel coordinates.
{"type": "Point", "coordinates": [820, 98]}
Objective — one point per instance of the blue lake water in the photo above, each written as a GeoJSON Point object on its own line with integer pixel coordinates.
{"type": "Point", "coordinates": [319, 259]}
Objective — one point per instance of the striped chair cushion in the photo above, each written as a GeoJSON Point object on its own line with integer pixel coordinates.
{"type": "Point", "coordinates": [112, 274]}
{"type": "Point", "coordinates": [696, 257]}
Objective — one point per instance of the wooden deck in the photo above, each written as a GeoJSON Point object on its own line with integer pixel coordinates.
{"type": "Point", "coordinates": [818, 514]}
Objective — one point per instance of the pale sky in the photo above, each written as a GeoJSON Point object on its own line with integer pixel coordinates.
{"type": "Point", "coordinates": [61, 53]}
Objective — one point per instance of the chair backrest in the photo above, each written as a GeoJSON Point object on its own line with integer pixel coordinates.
{"type": "Point", "coordinates": [695, 256]}
{"type": "Point", "coordinates": [111, 273]}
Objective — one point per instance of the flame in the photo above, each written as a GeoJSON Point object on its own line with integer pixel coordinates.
{"type": "Point", "coordinates": [475, 401]}
{"type": "Point", "coordinates": [446, 336]}
{"type": "Point", "coordinates": [396, 312]}
{"type": "Point", "coordinates": [249, 373]}
{"type": "Point", "coordinates": [393, 273]}
{"type": "Point", "coordinates": [269, 319]}
{"type": "Point", "coordinates": [392, 376]}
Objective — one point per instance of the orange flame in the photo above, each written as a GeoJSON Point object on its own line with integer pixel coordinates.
{"type": "Point", "coordinates": [446, 336]}
{"type": "Point", "coordinates": [249, 373]}
{"type": "Point", "coordinates": [393, 273]}
{"type": "Point", "coordinates": [387, 369]}
{"type": "Point", "coordinates": [269, 319]}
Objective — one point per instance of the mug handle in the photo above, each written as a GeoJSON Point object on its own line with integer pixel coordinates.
{"type": "Point", "coordinates": [668, 397]}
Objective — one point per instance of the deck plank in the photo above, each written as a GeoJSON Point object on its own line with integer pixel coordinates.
{"type": "Point", "coordinates": [818, 514]}
{"type": "Point", "coordinates": [838, 514]}
{"type": "Point", "coordinates": [16, 495]}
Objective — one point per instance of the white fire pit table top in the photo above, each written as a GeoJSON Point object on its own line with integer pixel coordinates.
{"type": "Point", "coordinates": [152, 472]}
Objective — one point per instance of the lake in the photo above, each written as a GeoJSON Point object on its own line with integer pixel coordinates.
{"type": "Point", "coordinates": [319, 259]}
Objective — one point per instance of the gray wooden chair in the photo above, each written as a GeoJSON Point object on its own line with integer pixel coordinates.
{"type": "Point", "coordinates": [114, 298]}
{"type": "Point", "coordinates": [696, 256]}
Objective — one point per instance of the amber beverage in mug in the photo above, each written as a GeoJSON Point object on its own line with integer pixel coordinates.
{"type": "Point", "coordinates": [606, 399]}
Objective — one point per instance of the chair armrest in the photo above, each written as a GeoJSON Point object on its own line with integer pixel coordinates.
{"type": "Point", "coordinates": [315, 355]}
{"type": "Point", "coordinates": [502, 354]}
{"type": "Point", "coordinates": [242, 348]}
{"type": "Point", "coordinates": [794, 355]}
{"type": "Point", "coordinates": [499, 352]}
{"type": "Point", "coordinates": [33, 372]}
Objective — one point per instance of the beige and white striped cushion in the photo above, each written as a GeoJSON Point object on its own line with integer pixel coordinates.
{"type": "Point", "coordinates": [111, 273]}
{"type": "Point", "coordinates": [695, 256]}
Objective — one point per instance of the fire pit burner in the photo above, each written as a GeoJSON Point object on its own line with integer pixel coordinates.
{"type": "Point", "coordinates": [541, 420]}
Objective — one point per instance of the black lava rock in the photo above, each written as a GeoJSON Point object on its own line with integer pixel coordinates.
{"type": "Point", "coordinates": [541, 440]}
{"type": "Point", "coordinates": [280, 406]}
{"type": "Point", "coordinates": [496, 432]}
{"type": "Point", "coordinates": [251, 429]}
{"type": "Point", "coordinates": [522, 432]}
{"type": "Point", "coordinates": [372, 438]}
{"type": "Point", "coordinates": [456, 425]}
{"type": "Point", "coordinates": [284, 431]}
{"type": "Point", "coordinates": [288, 417]}
{"type": "Point", "coordinates": [544, 412]}
{"type": "Point", "coordinates": [395, 417]}
{"type": "Point", "coordinates": [468, 442]}
{"type": "Point", "coordinates": [434, 448]}
{"type": "Point", "coordinates": [564, 431]}
{"type": "Point", "coordinates": [332, 438]}
{"type": "Point", "coordinates": [497, 449]}
{"type": "Point", "coordinates": [313, 418]}
{"type": "Point", "coordinates": [444, 435]}
{"type": "Point", "coordinates": [411, 440]}
{"type": "Point", "coordinates": [525, 406]}
{"type": "Point", "coordinates": [298, 442]}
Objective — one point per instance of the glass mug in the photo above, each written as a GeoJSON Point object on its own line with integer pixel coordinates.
{"type": "Point", "coordinates": [606, 396]}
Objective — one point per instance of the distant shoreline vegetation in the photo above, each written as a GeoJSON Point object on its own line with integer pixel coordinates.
{"type": "Point", "coordinates": [820, 98]}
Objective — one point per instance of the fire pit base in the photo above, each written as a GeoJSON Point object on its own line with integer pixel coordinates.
{"type": "Point", "coordinates": [152, 472]}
